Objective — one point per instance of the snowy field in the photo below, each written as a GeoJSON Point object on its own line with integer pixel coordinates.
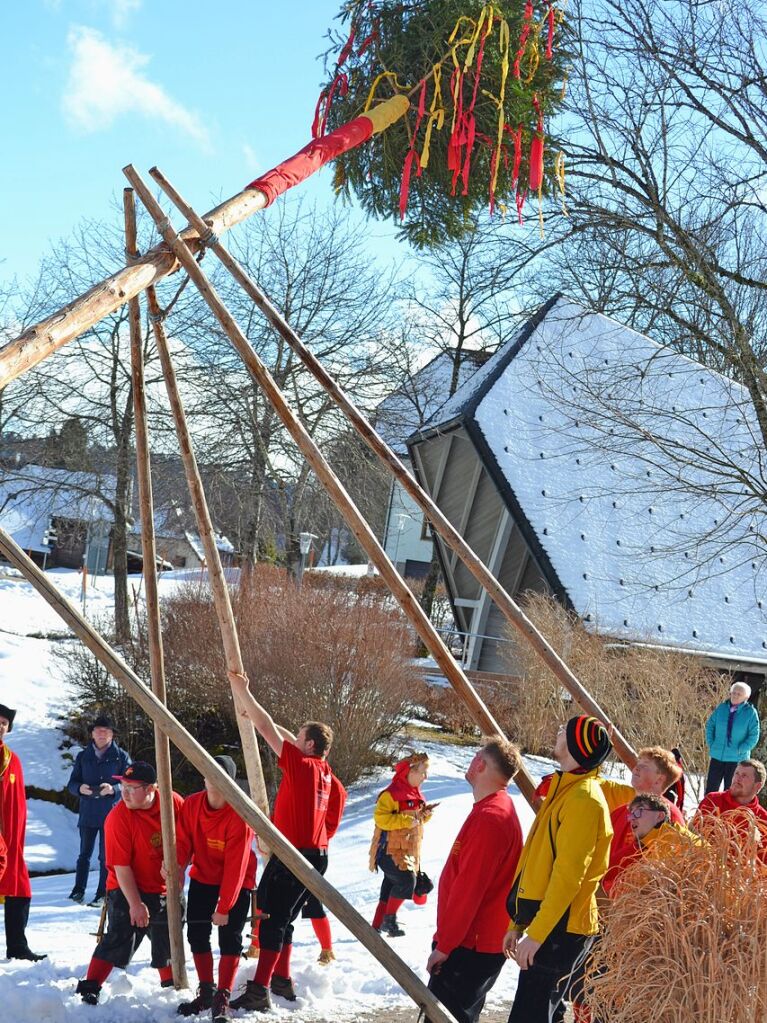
{"type": "Point", "coordinates": [354, 986]}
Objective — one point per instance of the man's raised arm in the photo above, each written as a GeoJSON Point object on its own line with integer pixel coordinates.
{"type": "Point", "coordinates": [251, 708]}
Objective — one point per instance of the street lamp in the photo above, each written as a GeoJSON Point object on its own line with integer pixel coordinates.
{"type": "Point", "coordinates": [304, 546]}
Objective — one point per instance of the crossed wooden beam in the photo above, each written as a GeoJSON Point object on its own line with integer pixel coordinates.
{"type": "Point", "coordinates": [141, 274]}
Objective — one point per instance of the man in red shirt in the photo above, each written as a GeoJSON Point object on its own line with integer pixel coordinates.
{"type": "Point", "coordinates": [14, 884]}
{"type": "Point", "coordinates": [739, 804]}
{"type": "Point", "coordinates": [219, 845]}
{"type": "Point", "coordinates": [307, 789]}
{"type": "Point", "coordinates": [655, 771]}
{"type": "Point", "coordinates": [467, 953]}
{"type": "Point", "coordinates": [136, 891]}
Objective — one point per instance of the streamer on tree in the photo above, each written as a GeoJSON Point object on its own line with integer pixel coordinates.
{"type": "Point", "coordinates": [686, 937]}
{"type": "Point", "coordinates": [484, 80]}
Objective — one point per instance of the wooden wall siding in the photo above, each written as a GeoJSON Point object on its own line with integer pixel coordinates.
{"type": "Point", "coordinates": [452, 471]}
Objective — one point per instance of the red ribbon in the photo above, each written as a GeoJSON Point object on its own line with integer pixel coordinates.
{"type": "Point", "coordinates": [550, 35]}
{"type": "Point", "coordinates": [523, 35]}
{"type": "Point", "coordinates": [412, 156]}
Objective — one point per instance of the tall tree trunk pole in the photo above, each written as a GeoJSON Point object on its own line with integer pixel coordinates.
{"type": "Point", "coordinates": [219, 588]}
{"type": "Point", "coordinates": [156, 659]}
{"type": "Point", "coordinates": [507, 605]}
{"type": "Point", "coordinates": [208, 767]}
{"type": "Point", "coordinates": [327, 477]}
{"type": "Point", "coordinates": [46, 337]}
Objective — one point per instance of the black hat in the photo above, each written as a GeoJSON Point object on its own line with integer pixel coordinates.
{"type": "Point", "coordinates": [587, 741]}
{"type": "Point", "coordinates": [138, 771]}
{"type": "Point", "coordinates": [228, 765]}
{"type": "Point", "coordinates": [102, 721]}
{"type": "Point", "coordinates": [6, 712]}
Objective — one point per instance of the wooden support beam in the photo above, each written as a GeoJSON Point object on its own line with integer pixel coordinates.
{"type": "Point", "coordinates": [46, 337]}
{"type": "Point", "coordinates": [441, 524]}
{"type": "Point", "coordinates": [327, 477]}
{"type": "Point", "coordinates": [208, 767]}
{"type": "Point", "coordinates": [218, 584]}
{"type": "Point", "coordinates": [156, 660]}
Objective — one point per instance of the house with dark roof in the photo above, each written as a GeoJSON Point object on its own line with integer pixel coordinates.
{"type": "Point", "coordinates": [586, 461]}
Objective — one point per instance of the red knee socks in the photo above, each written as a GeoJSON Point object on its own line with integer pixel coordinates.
{"type": "Point", "coordinates": [322, 930]}
{"type": "Point", "coordinates": [379, 914]}
{"type": "Point", "coordinates": [98, 970]}
{"type": "Point", "coordinates": [203, 963]}
{"type": "Point", "coordinates": [392, 906]}
{"type": "Point", "coordinates": [267, 960]}
{"type": "Point", "coordinates": [282, 966]}
{"type": "Point", "coordinates": [227, 971]}
{"type": "Point", "coordinates": [166, 973]}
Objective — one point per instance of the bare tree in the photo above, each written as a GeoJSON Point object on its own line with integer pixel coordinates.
{"type": "Point", "coordinates": [313, 267]}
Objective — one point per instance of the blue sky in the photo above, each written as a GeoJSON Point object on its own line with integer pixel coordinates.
{"type": "Point", "coordinates": [213, 93]}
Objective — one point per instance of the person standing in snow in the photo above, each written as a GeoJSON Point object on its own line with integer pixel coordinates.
{"type": "Point", "coordinates": [92, 780]}
{"type": "Point", "coordinates": [301, 808]}
{"type": "Point", "coordinates": [399, 816]}
{"type": "Point", "coordinates": [14, 883]}
{"type": "Point", "coordinates": [219, 845]}
{"type": "Point", "coordinates": [467, 954]}
{"type": "Point", "coordinates": [732, 731]}
{"type": "Point", "coordinates": [552, 903]}
{"type": "Point", "coordinates": [136, 890]}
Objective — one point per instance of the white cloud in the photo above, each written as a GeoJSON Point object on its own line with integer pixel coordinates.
{"type": "Point", "coordinates": [122, 10]}
{"type": "Point", "coordinates": [107, 81]}
{"type": "Point", "coordinates": [252, 161]}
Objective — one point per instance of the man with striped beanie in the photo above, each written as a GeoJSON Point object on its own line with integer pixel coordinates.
{"type": "Point", "coordinates": [552, 903]}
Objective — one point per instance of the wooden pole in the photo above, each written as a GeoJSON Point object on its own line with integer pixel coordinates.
{"type": "Point", "coordinates": [327, 477]}
{"type": "Point", "coordinates": [156, 659]}
{"type": "Point", "coordinates": [46, 337]}
{"type": "Point", "coordinates": [506, 604]}
{"type": "Point", "coordinates": [218, 585]}
{"type": "Point", "coordinates": [208, 767]}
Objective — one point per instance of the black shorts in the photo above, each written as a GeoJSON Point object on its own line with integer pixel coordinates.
{"type": "Point", "coordinates": [464, 980]}
{"type": "Point", "coordinates": [201, 905]}
{"type": "Point", "coordinates": [121, 939]}
{"type": "Point", "coordinates": [282, 896]}
{"type": "Point", "coordinates": [313, 908]}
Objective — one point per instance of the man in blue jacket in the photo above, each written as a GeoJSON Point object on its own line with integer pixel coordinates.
{"type": "Point", "coordinates": [732, 732]}
{"type": "Point", "coordinates": [92, 780]}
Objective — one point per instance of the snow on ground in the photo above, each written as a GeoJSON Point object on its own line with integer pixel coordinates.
{"type": "Point", "coordinates": [356, 985]}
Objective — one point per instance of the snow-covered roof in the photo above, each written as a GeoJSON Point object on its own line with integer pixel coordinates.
{"type": "Point", "coordinates": [419, 397]}
{"type": "Point", "coordinates": [31, 496]}
{"type": "Point", "coordinates": [617, 454]}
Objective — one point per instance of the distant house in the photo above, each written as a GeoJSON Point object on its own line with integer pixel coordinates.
{"type": "Point", "coordinates": [177, 541]}
{"type": "Point", "coordinates": [544, 462]}
{"type": "Point", "coordinates": [407, 539]}
{"type": "Point", "coordinates": [55, 517]}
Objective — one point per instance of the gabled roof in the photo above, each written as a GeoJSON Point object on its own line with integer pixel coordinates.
{"type": "Point", "coordinates": [31, 496]}
{"type": "Point", "coordinates": [416, 400]}
{"type": "Point", "coordinates": [639, 543]}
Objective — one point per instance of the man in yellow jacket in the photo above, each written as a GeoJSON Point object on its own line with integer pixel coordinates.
{"type": "Point", "coordinates": [552, 903]}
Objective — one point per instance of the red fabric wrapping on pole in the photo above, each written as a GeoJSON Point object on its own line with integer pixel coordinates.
{"type": "Point", "coordinates": [535, 178]}
{"type": "Point", "coordinates": [313, 156]}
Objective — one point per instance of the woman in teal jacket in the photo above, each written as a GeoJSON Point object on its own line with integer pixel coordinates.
{"type": "Point", "coordinates": [732, 731]}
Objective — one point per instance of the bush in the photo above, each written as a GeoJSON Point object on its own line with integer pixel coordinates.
{"type": "Point", "coordinates": [655, 697]}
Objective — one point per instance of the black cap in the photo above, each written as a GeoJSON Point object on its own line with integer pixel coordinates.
{"type": "Point", "coordinates": [228, 765]}
{"type": "Point", "coordinates": [102, 721]}
{"type": "Point", "coordinates": [588, 741]}
{"type": "Point", "coordinates": [138, 771]}
{"type": "Point", "coordinates": [6, 712]}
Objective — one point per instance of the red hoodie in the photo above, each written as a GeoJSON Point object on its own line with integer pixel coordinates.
{"type": "Point", "coordinates": [13, 815]}
{"type": "Point", "coordinates": [218, 842]}
{"type": "Point", "coordinates": [471, 902]}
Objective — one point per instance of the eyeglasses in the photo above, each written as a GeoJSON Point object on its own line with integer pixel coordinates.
{"type": "Point", "coordinates": [132, 786]}
{"type": "Point", "coordinates": [637, 812]}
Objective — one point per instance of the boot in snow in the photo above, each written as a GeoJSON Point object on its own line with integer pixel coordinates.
{"type": "Point", "coordinates": [220, 1008]}
{"type": "Point", "coordinates": [283, 986]}
{"type": "Point", "coordinates": [391, 926]}
{"type": "Point", "coordinates": [204, 1000]}
{"type": "Point", "coordinates": [89, 991]}
{"type": "Point", "coordinates": [255, 998]}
